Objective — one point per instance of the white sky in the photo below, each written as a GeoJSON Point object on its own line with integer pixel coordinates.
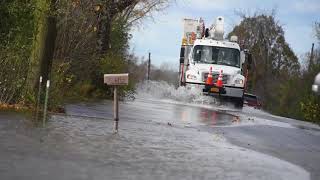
{"type": "Point", "coordinates": [162, 36]}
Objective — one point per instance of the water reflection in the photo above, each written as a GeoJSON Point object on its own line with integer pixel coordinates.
{"type": "Point", "coordinates": [206, 116]}
{"type": "Point", "coordinates": [157, 111]}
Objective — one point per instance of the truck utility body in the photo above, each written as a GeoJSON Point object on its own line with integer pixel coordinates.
{"type": "Point", "coordinates": [205, 53]}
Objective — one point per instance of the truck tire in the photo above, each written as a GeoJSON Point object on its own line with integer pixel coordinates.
{"type": "Point", "coordinates": [238, 103]}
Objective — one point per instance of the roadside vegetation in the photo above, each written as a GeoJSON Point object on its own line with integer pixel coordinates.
{"type": "Point", "coordinates": [278, 77]}
{"type": "Point", "coordinates": [70, 42]}
{"type": "Point", "coordinates": [73, 43]}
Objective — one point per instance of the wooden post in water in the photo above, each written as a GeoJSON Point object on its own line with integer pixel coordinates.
{"type": "Point", "coordinates": [115, 110]}
{"type": "Point", "coordinates": [46, 103]}
{"type": "Point", "coordinates": [38, 98]}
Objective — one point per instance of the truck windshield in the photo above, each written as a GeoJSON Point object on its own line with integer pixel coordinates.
{"type": "Point", "coordinates": [216, 55]}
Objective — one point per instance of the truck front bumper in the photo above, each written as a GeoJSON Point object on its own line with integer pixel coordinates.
{"type": "Point", "coordinates": [211, 90]}
{"type": "Point", "coordinates": [226, 91]}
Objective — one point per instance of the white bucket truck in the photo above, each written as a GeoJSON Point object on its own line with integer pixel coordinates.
{"type": "Point", "coordinates": [204, 50]}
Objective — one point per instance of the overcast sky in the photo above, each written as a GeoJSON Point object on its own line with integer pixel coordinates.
{"type": "Point", "coordinates": [162, 36]}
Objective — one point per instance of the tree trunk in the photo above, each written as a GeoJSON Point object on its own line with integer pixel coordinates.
{"type": "Point", "coordinates": [50, 35]}
{"type": "Point", "coordinates": [37, 48]}
{"type": "Point", "coordinates": [105, 25]}
{"type": "Point", "coordinates": [47, 56]}
{"type": "Point", "coordinates": [43, 46]}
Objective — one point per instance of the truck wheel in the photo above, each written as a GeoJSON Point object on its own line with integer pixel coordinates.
{"type": "Point", "coordinates": [238, 103]}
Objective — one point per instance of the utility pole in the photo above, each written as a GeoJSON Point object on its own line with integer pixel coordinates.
{"type": "Point", "coordinates": [149, 64]}
{"type": "Point", "coordinates": [311, 57]}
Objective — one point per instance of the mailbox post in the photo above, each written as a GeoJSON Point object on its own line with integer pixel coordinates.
{"type": "Point", "coordinates": [116, 80]}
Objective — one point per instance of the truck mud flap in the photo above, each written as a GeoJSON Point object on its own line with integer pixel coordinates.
{"type": "Point", "coordinates": [252, 100]}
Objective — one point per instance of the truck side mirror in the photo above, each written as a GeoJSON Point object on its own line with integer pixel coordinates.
{"type": "Point", "coordinates": [242, 57]}
{"type": "Point", "coordinates": [182, 52]}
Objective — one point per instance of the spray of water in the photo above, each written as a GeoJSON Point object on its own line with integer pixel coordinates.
{"type": "Point", "coordinates": [163, 90]}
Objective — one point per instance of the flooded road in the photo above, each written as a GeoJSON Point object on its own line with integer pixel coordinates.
{"type": "Point", "coordinates": [290, 140]}
{"type": "Point", "coordinates": [158, 139]}
{"type": "Point", "coordinates": [154, 110]}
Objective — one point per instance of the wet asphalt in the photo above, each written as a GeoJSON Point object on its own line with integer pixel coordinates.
{"type": "Point", "coordinates": [172, 136]}
{"type": "Point", "coordinates": [294, 145]}
{"type": "Point", "coordinates": [298, 144]}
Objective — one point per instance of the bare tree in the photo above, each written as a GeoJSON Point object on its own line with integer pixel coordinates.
{"type": "Point", "coordinates": [131, 11]}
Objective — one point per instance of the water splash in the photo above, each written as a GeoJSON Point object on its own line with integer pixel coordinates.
{"type": "Point", "coordinates": [163, 90]}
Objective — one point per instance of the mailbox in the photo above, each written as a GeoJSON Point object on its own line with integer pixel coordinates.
{"type": "Point", "coordinates": [116, 79]}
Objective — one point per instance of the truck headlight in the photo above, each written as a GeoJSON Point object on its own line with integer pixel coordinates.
{"type": "Point", "coordinates": [239, 81]}
{"type": "Point", "coordinates": [190, 76]}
